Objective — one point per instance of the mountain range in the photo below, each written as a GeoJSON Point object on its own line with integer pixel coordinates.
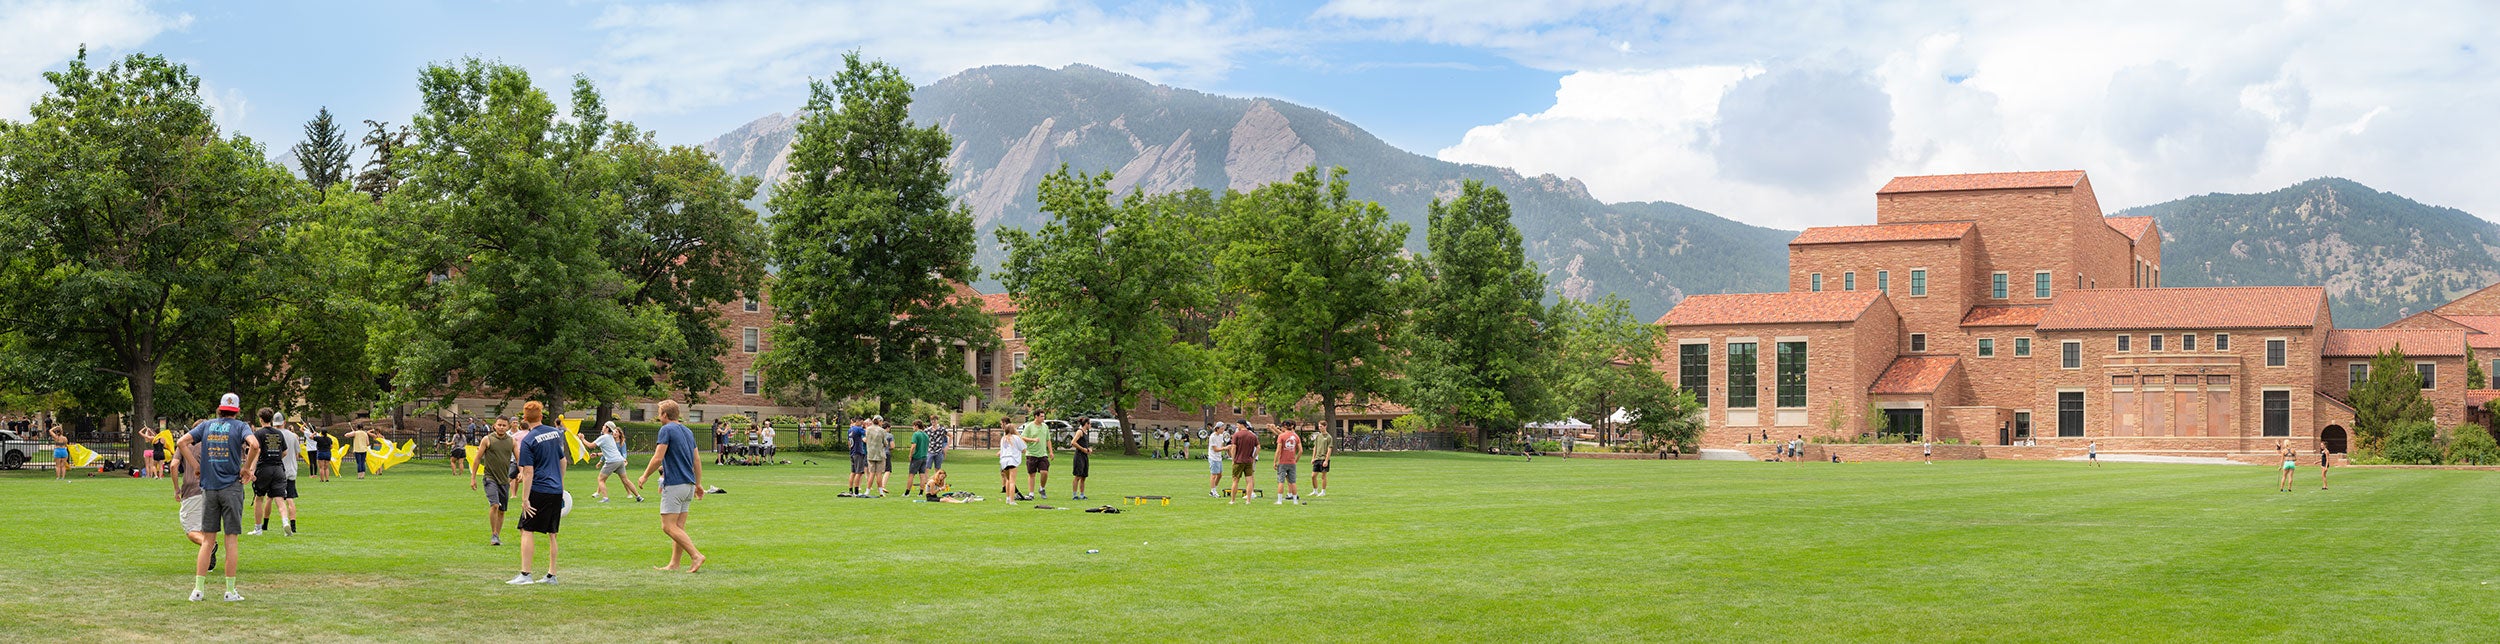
{"type": "Point", "coordinates": [2379, 255]}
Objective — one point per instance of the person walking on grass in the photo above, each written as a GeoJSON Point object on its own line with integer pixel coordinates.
{"type": "Point", "coordinates": [225, 446]}
{"type": "Point", "coordinates": [1037, 450]}
{"type": "Point", "coordinates": [880, 455]}
{"type": "Point", "coordinates": [1322, 446]}
{"type": "Point", "coordinates": [1245, 449]}
{"type": "Point", "coordinates": [2092, 453]}
{"type": "Point", "coordinates": [1927, 452]}
{"type": "Point", "coordinates": [1219, 453]}
{"type": "Point", "coordinates": [859, 454]}
{"type": "Point", "coordinates": [288, 466]}
{"type": "Point", "coordinates": [269, 471]}
{"type": "Point", "coordinates": [1288, 450]}
{"type": "Point", "coordinates": [612, 452]}
{"type": "Point", "coordinates": [541, 459]}
{"type": "Point", "coordinates": [2284, 449]}
{"type": "Point", "coordinates": [359, 443]}
{"type": "Point", "coordinates": [919, 458]}
{"type": "Point", "coordinates": [2322, 466]}
{"type": "Point", "coordinates": [1010, 455]}
{"type": "Point", "coordinates": [1081, 454]}
{"type": "Point", "coordinates": [681, 483]}
{"type": "Point", "coordinates": [494, 464]}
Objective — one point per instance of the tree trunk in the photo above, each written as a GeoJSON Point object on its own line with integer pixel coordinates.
{"type": "Point", "coordinates": [1120, 411]}
{"type": "Point", "coordinates": [1328, 410]}
{"type": "Point", "coordinates": [142, 400]}
{"type": "Point", "coordinates": [607, 412]}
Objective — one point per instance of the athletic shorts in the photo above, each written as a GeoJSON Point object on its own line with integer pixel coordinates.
{"type": "Point", "coordinates": [60, 453]}
{"type": "Point", "coordinates": [1215, 467]}
{"type": "Point", "coordinates": [1242, 469]}
{"type": "Point", "coordinates": [920, 465]}
{"type": "Point", "coordinates": [1037, 464]}
{"type": "Point", "coordinates": [290, 489]}
{"type": "Point", "coordinates": [1284, 473]}
{"type": "Point", "coordinates": [189, 514]}
{"type": "Point", "coordinates": [1319, 466]}
{"type": "Point", "coordinates": [612, 467]}
{"type": "Point", "coordinates": [859, 463]}
{"type": "Point", "coordinates": [878, 467]}
{"type": "Point", "coordinates": [321, 457]}
{"type": "Point", "coordinates": [222, 510]}
{"type": "Point", "coordinates": [359, 458]}
{"type": "Point", "coordinates": [2287, 465]}
{"type": "Point", "coordinates": [676, 499]}
{"type": "Point", "coordinates": [1007, 463]}
{"type": "Point", "coordinates": [268, 484]}
{"type": "Point", "coordinates": [546, 513]}
{"type": "Point", "coordinates": [498, 495]}
{"type": "Point", "coordinates": [1081, 466]}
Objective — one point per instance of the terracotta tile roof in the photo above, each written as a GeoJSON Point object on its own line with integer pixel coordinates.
{"type": "Point", "coordinates": [2479, 397]}
{"type": "Point", "coordinates": [996, 303]}
{"type": "Point", "coordinates": [2483, 341]}
{"type": "Point", "coordinates": [1914, 375]}
{"type": "Point", "coordinates": [1769, 308]}
{"type": "Point", "coordinates": [1985, 181]}
{"type": "Point", "coordinates": [1882, 233]}
{"type": "Point", "coordinates": [2479, 323]}
{"type": "Point", "coordinates": [2237, 307]}
{"type": "Point", "coordinates": [2005, 315]}
{"type": "Point", "coordinates": [2345, 343]}
{"type": "Point", "coordinates": [2133, 227]}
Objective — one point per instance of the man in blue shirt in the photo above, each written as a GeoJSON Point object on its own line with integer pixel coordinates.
{"type": "Point", "coordinates": [224, 446]}
{"type": "Point", "coordinates": [681, 482]}
{"type": "Point", "coordinates": [541, 459]}
{"type": "Point", "coordinates": [859, 455]}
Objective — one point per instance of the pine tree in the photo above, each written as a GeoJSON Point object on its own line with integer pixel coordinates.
{"type": "Point", "coordinates": [382, 173]}
{"type": "Point", "coordinates": [322, 156]}
{"type": "Point", "coordinates": [2391, 396]}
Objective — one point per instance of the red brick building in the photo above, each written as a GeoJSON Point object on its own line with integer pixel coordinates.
{"type": "Point", "coordinates": [2006, 309]}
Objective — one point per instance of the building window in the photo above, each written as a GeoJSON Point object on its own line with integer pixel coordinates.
{"type": "Point", "coordinates": [2069, 414]}
{"type": "Point", "coordinates": [1740, 375]}
{"type": "Point", "coordinates": [2124, 343]}
{"type": "Point", "coordinates": [2360, 374]}
{"type": "Point", "coordinates": [749, 339]}
{"type": "Point", "coordinates": [2278, 413]}
{"type": "Point", "coordinates": [2429, 373]}
{"type": "Point", "coordinates": [1918, 282]}
{"type": "Point", "coordinates": [1792, 374]}
{"type": "Point", "coordinates": [747, 382]}
{"type": "Point", "coordinates": [1996, 285]}
{"type": "Point", "coordinates": [2040, 285]}
{"type": "Point", "coordinates": [1817, 280]}
{"type": "Point", "coordinates": [2153, 342]}
{"type": "Point", "coordinates": [2022, 347]}
{"type": "Point", "coordinates": [986, 367]}
{"type": "Point", "coordinates": [1918, 343]}
{"type": "Point", "coordinates": [1014, 331]}
{"type": "Point", "coordinates": [1158, 403]}
{"type": "Point", "coordinates": [694, 416]}
{"type": "Point", "coordinates": [2187, 342]}
{"type": "Point", "coordinates": [751, 305]}
{"type": "Point", "coordinates": [1849, 281]}
{"type": "Point", "coordinates": [2022, 425]}
{"type": "Point", "coordinates": [636, 414]}
{"type": "Point", "coordinates": [1693, 370]}
{"type": "Point", "coordinates": [1883, 281]}
{"type": "Point", "coordinates": [2274, 353]}
{"type": "Point", "coordinates": [2073, 354]}
{"type": "Point", "coordinates": [2222, 342]}
{"type": "Point", "coordinates": [1019, 361]}
{"type": "Point", "coordinates": [1987, 347]}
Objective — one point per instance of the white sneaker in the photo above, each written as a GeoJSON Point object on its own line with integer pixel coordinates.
{"type": "Point", "coordinates": [1211, 492]}
{"type": "Point", "coordinates": [1280, 500]}
{"type": "Point", "coordinates": [522, 579]}
{"type": "Point", "coordinates": [548, 580]}
{"type": "Point", "coordinates": [253, 533]}
{"type": "Point", "coordinates": [233, 596]}
{"type": "Point", "coordinates": [197, 595]}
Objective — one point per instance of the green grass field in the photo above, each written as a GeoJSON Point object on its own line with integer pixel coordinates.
{"type": "Point", "coordinates": [1427, 546]}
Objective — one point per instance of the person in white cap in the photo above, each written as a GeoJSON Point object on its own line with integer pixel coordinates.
{"type": "Point", "coordinates": [225, 447]}
{"type": "Point", "coordinates": [275, 485]}
{"type": "Point", "coordinates": [611, 448]}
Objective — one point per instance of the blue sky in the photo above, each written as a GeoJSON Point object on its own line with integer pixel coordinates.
{"type": "Point", "coordinates": [1777, 112]}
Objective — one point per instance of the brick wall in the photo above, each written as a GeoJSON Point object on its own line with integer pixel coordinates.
{"type": "Point", "coordinates": [1842, 359]}
{"type": "Point", "coordinates": [2244, 365]}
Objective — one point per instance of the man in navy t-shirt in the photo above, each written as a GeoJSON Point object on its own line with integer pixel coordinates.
{"type": "Point", "coordinates": [681, 482]}
{"type": "Point", "coordinates": [859, 454]}
{"type": "Point", "coordinates": [541, 458]}
{"type": "Point", "coordinates": [226, 447]}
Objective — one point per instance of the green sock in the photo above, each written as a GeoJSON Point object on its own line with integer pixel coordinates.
{"type": "Point", "coordinates": [230, 583]}
{"type": "Point", "coordinates": [199, 583]}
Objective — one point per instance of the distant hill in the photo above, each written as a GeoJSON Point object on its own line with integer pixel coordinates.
{"type": "Point", "coordinates": [1014, 124]}
{"type": "Point", "coordinates": [2380, 256]}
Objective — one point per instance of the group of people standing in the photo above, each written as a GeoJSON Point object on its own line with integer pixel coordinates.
{"type": "Point", "coordinates": [1240, 448]}
{"type": "Point", "coordinates": [525, 462]}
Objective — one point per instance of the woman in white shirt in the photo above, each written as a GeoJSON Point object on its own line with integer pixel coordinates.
{"type": "Point", "coordinates": [1010, 456]}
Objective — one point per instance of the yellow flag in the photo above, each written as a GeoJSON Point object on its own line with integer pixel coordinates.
{"type": "Point", "coordinates": [338, 453]}
{"type": "Point", "coordinates": [474, 466]}
{"type": "Point", "coordinates": [80, 456]}
{"type": "Point", "coordinates": [166, 439]}
{"type": "Point", "coordinates": [573, 446]}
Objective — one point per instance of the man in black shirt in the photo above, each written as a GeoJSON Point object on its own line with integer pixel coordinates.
{"type": "Point", "coordinates": [269, 481]}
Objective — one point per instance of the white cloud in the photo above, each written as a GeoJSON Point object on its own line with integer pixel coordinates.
{"type": "Point", "coordinates": [678, 57]}
{"type": "Point", "coordinates": [36, 35]}
{"type": "Point", "coordinates": [2156, 100]}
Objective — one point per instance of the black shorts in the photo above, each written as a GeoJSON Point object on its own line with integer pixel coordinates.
{"type": "Point", "coordinates": [1081, 466]}
{"type": "Point", "coordinates": [546, 513]}
{"type": "Point", "coordinates": [1319, 466]}
{"type": "Point", "coordinates": [1037, 463]}
{"type": "Point", "coordinates": [859, 463]}
{"type": "Point", "coordinates": [270, 483]}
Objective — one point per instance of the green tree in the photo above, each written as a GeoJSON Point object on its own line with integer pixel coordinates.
{"type": "Point", "coordinates": [322, 156]}
{"type": "Point", "coordinates": [2472, 444]}
{"type": "Point", "coordinates": [686, 242]}
{"type": "Point", "coordinates": [134, 226]}
{"type": "Point", "coordinates": [1667, 418]}
{"type": "Point", "coordinates": [2475, 377]}
{"type": "Point", "coordinates": [1600, 357]}
{"type": "Point", "coordinates": [1479, 350]}
{"type": "Point", "coordinates": [498, 232]}
{"type": "Point", "coordinates": [1096, 289]}
{"type": "Point", "coordinates": [1320, 288]}
{"type": "Point", "coordinates": [873, 256]}
{"type": "Point", "coordinates": [383, 170]}
{"type": "Point", "coordinates": [2391, 395]}
{"type": "Point", "coordinates": [2411, 442]}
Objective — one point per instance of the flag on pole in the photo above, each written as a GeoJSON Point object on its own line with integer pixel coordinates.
{"type": "Point", "coordinates": [80, 456]}
{"type": "Point", "coordinates": [338, 453]}
{"type": "Point", "coordinates": [573, 446]}
{"type": "Point", "coordinates": [399, 454]}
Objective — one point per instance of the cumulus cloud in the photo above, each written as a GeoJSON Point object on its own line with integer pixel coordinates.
{"type": "Point", "coordinates": [39, 34]}
{"type": "Point", "coordinates": [2156, 100]}
{"type": "Point", "coordinates": [677, 57]}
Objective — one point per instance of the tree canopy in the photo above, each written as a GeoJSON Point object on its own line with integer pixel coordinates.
{"type": "Point", "coordinates": [1321, 287]}
{"type": "Point", "coordinates": [1481, 338]}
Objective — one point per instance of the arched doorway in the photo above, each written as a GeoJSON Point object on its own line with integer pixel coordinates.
{"type": "Point", "coordinates": [2333, 438]}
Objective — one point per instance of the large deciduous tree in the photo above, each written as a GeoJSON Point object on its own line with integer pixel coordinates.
{"type": "Point", "coordinates": [1097, 288]}
{"type": "Point", "coordinates": [1321, 288]}
{"type": "Point", "coordinates": [1480, 344]}
{"type": "Point", "coordinates": [686, 242]}
{"type": "Point", "coordinates": [873, 256]}
{"type": "Point", "coordinates": [134, 226]}
{"type": "Point", "coordinates": [1602, 360]}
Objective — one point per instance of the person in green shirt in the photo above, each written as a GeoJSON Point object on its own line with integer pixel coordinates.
{"type": "Point", "coordinates": [1322, 446]}
{"type": "Point", "coordinates": [1036, 456]}
{"type": "Point", "coordinates": [919, 458]}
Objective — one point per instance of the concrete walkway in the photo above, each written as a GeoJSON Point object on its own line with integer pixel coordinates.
{"type": "Point", "coordinates": [2148, 458]}
{"type": "Point", "coordinates": [1725, 455]}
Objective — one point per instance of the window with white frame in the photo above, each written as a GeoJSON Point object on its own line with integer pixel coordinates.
{"type": "Point", "coordinates": [2022, 347]}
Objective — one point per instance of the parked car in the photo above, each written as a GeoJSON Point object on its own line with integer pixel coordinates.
{"type": "Point", "coordinates": [16, 452]}
{"type": "Point", "coordinates": [1062, 432]}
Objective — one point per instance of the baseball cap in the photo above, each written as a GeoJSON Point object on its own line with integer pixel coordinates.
{"type": "Point", "coordinates": [277, 420]}
{"type": "Point", "coordinates": [231, 403]}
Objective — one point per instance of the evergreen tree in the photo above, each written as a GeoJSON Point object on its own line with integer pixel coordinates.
{"type": "Point", "coordinates": [874, 257]}
{"type": "Point", "coordinates": [322, 156]}
{"type": "Point", "coordinates": [2390, 396]}
{"type": "Point", "coordinates": [1480, 345]}
{"type": "Point", "coordinates": [1321, 290]}
{"type": "Point", "coordinates": [2475, 377]}
{"type": "Point", "coordinates": [383, 172]}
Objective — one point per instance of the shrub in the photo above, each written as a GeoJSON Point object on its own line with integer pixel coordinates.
{"type": "Point", "coordinates": [2471, 444]}
{"type": "Point", "coordinates": [1547, 446]}
{"type": "Point", "coordinates": [2412, 443]}
{"type": "Point", "coordinates": [980, 419]}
